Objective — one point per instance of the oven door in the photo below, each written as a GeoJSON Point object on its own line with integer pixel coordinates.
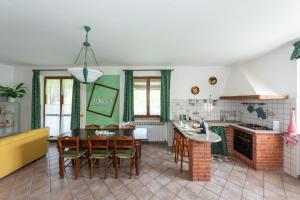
{"type": "Point", "coordinates": [243, 143]}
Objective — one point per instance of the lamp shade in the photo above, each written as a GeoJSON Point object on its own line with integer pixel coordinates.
{"type": "Point", "coordinates": [85, 75]}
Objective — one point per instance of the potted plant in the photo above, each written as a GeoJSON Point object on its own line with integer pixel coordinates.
{"type": "Point", "coordinates": [12, 93]}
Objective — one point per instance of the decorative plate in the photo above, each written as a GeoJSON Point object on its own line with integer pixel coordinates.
{"type": "Point", "coordinates": [195, 90]}
{"type": "Point", "coordinates": [212, 80]}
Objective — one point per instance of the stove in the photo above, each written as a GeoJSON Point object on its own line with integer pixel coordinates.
{"type": "Point", "coordinates": [254, 126]}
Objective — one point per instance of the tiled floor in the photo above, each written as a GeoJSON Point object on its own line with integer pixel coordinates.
{"type": "Point", "coordinates": [159, 179]}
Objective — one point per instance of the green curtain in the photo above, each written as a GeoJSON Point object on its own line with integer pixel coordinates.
{"type": "Point", "coordinates": [219, 147]}
{"type": "Point", "coordinates": [75, 113]}
{"type": "Point", "coordinates": [165, 95]}
{"type": "Point", "coordinates": [36, 101]}
{"type": "Point", "coordinates": [128, 114]}
{"type": "Point", "coordinates": [296, 52]}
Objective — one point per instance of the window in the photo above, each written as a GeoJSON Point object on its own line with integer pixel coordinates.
{"type": "Point", "coordinates": [58, 104]}
{"type": "Point", "coordinates": [146, 97]}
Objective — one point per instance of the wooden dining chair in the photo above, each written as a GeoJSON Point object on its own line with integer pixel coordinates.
{"type": "Point", "coordinates": [128, 126]}
{"type": "Point", "coordinates": [92, 127]}
{"type": "Point", "coordinates": [69, 150]}
{"type": "Point", "coordinates": [112, 126]}
{"type": "Point", "coordinates": [123, 149]}
{"type": "Point", "coordinates": [98, 148]}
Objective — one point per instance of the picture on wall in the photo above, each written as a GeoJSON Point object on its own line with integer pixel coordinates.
{"type": "Point", "coordinates": [103, 100]}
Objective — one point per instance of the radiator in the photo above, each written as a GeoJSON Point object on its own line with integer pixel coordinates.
{"type": "Point", "coordinates": [157, 131]}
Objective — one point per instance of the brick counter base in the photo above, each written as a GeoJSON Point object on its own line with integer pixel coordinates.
{"type": "Point", "coordinates": [267, 150]}
{"type": "Point", "coordinates": [199, 161]}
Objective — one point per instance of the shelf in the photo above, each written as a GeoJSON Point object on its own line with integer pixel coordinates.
{"type": "Point", "coordinates": [254, 97]}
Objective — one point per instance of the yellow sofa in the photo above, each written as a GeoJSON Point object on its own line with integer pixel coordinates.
{"type": "Point", "coordinates": [19, 150]}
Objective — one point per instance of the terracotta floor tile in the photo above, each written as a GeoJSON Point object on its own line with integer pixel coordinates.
{"type": "Point", "coordinates": [159, 179]}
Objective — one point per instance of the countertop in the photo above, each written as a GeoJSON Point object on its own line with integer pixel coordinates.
{"type": "Point", "coordinates": [256, 131]}
{"type": "Point", "coordinates": [236, 124]}
{"type": "Point", "coordinates": [192, 134]}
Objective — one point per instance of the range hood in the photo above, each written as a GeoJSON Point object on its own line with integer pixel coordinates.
{"type": "Point", "coordinates": [261, 97]}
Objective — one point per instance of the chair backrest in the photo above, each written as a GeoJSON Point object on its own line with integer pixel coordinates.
{"type": "Point", "coordinates": [92, 127]}
{"type": "Point", "coordinates": [67, 144]}
{"type": "Point", "coordinates": [97, 143]}
{"type": "Point", "coordinates": [123, 142]}
{"type": "Point", "coordinates": [112, 126]}
{"type": "Point", "coordinates": [128, 126]}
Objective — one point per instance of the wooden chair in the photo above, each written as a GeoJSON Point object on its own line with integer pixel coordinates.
{"type": "Point", "coordinates": [128, 126]}
{"type": "Point", "coordinates": [68, 148]}
{"type": "Point", "coordinates": [92, 127]}
{"type": "Point", "coordinates": [98, 149]}
{"type": "Point", "coordinates": [123, 149]}
{"type": "Point", "coordinates": [112, 126]}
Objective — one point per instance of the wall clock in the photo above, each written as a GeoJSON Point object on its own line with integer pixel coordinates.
{"type": "Point", "coordinates": [103, 100]}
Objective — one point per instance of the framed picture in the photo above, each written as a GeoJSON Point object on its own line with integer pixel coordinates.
{"type": "Point", "coordinates": [103, 100]}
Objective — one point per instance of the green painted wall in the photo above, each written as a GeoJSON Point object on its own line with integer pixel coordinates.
{"type": "Point", "coordinates": [93, 118]}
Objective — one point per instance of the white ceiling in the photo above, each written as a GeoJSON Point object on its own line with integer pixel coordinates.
{"type": "Point", "coordinates": [145, 32]}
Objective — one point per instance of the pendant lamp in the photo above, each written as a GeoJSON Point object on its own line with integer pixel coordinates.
{"type": "Point", "coordinates": [86, 74]}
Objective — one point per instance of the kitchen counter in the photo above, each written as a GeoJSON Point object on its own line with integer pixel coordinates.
{"type": "Point", "coordinates": [199, 151]}
{"type": "Point", "coordinates": [221, 123]}
{"type": "Point", "coordinates": [254, 131]}
{"type": "Point", "coordinates": [193, 134]}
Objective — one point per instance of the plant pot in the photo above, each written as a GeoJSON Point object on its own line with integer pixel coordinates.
{"type": "Point", "coordinates": [12, 100]}
{"type": "Point", "coordinates": [3, 98]}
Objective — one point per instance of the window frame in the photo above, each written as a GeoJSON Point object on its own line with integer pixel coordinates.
{"type": "Point", "coordinates": [148, 80]}
{"type": "Point", "coordinates": [60, 78]}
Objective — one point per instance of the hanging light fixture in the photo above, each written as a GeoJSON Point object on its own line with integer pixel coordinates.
{"type": "Point", "coordinates": [85, 74]}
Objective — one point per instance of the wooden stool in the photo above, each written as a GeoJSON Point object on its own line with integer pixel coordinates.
{"type": "Point", "coordinates": [184, 149]}
{"type": "Point", "coordinates": [177, 136]}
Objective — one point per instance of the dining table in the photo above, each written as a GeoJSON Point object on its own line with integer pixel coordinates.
{"type": "Point", "coordinates": [140, 135]}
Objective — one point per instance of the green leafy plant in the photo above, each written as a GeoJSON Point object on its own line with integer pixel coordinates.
{"type": "Point", "coordinates": [17, 92]}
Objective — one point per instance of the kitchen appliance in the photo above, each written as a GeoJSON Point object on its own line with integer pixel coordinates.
{"type": "Point", "coordinates": [242, 143]}
{"type": "Point", "coordinates": [254, 126]}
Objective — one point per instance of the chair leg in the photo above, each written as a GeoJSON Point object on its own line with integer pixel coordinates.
{"type": "Point", "coordinates": [73, 164]}
{"type": "Point", "coordinates": [91, 167]}
{"type": "Point", "coordinates": [61, 167]}
{"type": "Point", "coordinates": [116, 167]}
{"type": "Point", "coordinates": [77, 167]}
{"type": "Point", "coordinates": [181, 156]}
{"type": "Point", "coordinates": [137, 165]}
{"type": "Point", "coordinates": [131, 166]}
{"type": "Point", "coordinates": [105, 167]}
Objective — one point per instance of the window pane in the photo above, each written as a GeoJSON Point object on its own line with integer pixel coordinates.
{"type": "Point", "coordinates": [140, 97]}
{"type": "Point", "coordinates": [52, 107]}
{"type": "Point", "coordinates": [155, 97]}
{"type": "Point", "coordinates": [67, 87]}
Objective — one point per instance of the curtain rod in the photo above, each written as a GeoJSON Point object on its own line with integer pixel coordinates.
{"type": "Point", "coordinates": [51, 70]}
{"type": "Point", "coordinates": [147, 69]}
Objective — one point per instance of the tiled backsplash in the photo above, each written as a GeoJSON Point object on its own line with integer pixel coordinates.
{"type": "Point", "coordinates": [276, 110]}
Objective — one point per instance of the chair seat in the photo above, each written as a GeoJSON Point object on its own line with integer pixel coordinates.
{"type": "Point", "coordinates": [75, 155]}
{"type": "Point", "coordinates": [126, 153]}
{"type": "Point", "coordinates": [101, 154]}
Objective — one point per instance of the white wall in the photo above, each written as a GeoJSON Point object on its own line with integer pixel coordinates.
{"type": "Point", "coordinates": [6, 75]}
{"type": "Point", "coordinates": [183, 78]}
{"type": "Point", "coordinates": [272, 73]}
